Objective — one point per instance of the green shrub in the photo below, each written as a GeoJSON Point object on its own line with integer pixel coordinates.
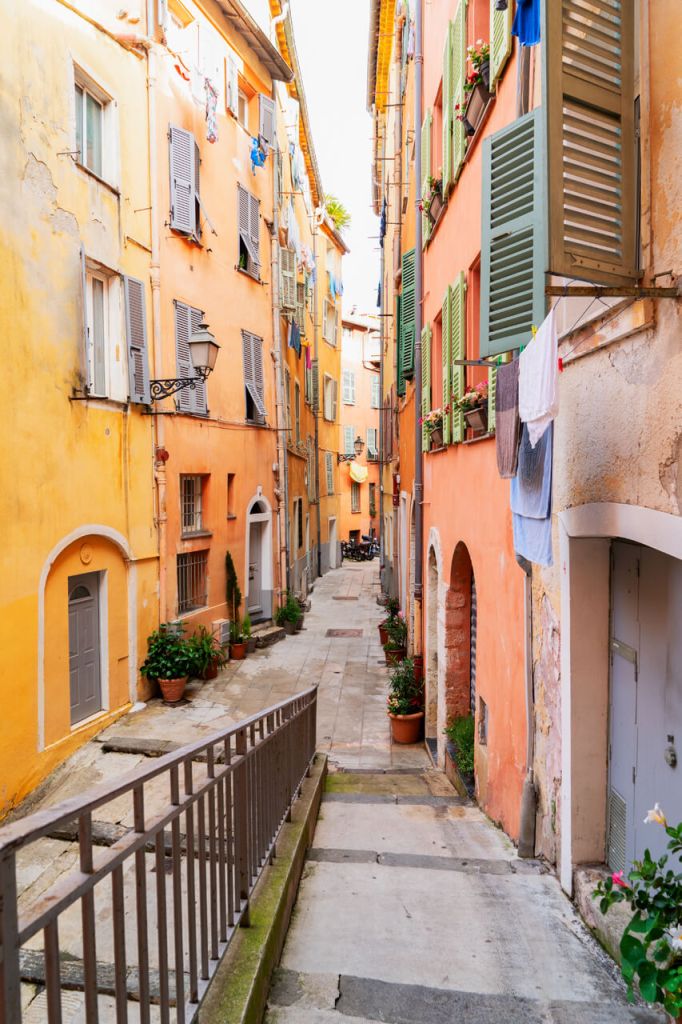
{"type": "Point", "coordinates": [396, 629]}
{"type": "Point", "coordinates": [289, 612]}
{"type": "Point", "coordinates": [169, 655]}
{"type": "Point", "coordinates": [205, 650]}
{"type": "Point", "coordinates": [460, 732]}
{"type": "Point", "coordinates": [404, 694]}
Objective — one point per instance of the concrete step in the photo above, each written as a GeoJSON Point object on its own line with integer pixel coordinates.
{"type": "Point", "coordinates": [267, 635]}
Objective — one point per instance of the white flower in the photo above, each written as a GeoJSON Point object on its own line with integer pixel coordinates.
{"type": "Point", "coordinates": [674, 937]}
{"type": "Point", "coordinates": [656, 816]}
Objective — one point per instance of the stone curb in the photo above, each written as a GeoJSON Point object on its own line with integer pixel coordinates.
{"type": "Point", "coordinates": [238, 991]}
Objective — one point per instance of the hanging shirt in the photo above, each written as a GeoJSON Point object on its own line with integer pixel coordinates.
{"type": "Point", "coordinates": [527, 22]}
{"type": "Point", "coordinates": [539, 380]}
{"type": "Point", "coordinates": [211, 104]}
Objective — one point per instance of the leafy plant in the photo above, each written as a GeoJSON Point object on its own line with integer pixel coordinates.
{"type": "Point", "coordinates": [404, 696]}
{"type": "Point", "coordinates": [206, 649]}
{"type": "Point", "coordinates": [396, 628]}
{"type": "Point", "coordinates": [337, 211]}
{"type": "Point", "coordinates": [651, 945]}
{"type": "Point", "coordinates": [233, 597]}
{"type": "Point", "coordinates": [460, 732]}
{"type": "Point", "coordinates": [169, 654]}
{"type": "Point", "coordinates": [392, 607]}
{"type": "Point", "coordinates": [246, 626]}
{"type": "Point", "coordinates": [289, 612]}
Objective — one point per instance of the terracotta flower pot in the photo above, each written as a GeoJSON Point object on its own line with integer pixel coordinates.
{"type": "Point", "coordinates": [437, 438]}
{"type": "Point", "coordinates": [211, 670]}
{"type": "Point", "coordinates": [289, 627]}
{"type": "Point", "coordinates": [406, 728]}
{"type": "Point", "coordinates": [172, 690]}
{"type": "Point", "coordinates": [435, 206]}
{"type": "Point", "coordinates": [383, 633]}
{"type": "Point", "coordinates": [479, 98]}
{"type": "Point", "coordinates": [395, 656]}
{"type": "Point", "coordinates": [477, 418]}
{"type": "Point", "coordinates": [238, 651]}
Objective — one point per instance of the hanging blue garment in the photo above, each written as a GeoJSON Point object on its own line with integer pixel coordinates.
{"type": "Point", "coordinates": [531, 499]}
{"type": "Point", "coordinates": [382, 224]}
{"type": "Point", "coordinates": [379, 295]}
{"type": "Point", "coordinates": [295, 338]}
{"type": "Point", "coordinates": [527, 22]}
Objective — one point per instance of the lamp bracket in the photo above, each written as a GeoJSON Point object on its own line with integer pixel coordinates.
{"type": "Point", "coordinates": [164, 388]}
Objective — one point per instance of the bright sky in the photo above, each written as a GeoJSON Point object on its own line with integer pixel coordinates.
{"type": "Point", "coordinates": [331, 40]}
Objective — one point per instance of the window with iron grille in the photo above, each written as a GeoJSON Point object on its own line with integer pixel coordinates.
{"type": "Point", "coordinates": [191, 504]}
{"type": "Point", "coordinates": [192, 581]}
{"type": "Point", "coordinates": [354, 497]}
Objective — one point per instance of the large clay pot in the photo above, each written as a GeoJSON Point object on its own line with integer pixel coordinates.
{"type": "Point", "coordinates": [238, 651]}
{"type": "Point", "coordinates": [211, 670]}
{"type": "Point", "coordinates": [172, 690]}
{"type": "Point", "coordinates": [289, 627]}
{"type": "Point", "coordinates": [395, 656]}
{"type": "Point", "coordinates": [383, 633]}
{"type": "Point", "coordinates": [406, 728]}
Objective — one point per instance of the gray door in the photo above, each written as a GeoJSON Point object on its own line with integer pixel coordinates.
{"type": "Point", "coordinates": [84, 646]}
{"type": "Point", "coordinates": [646, 699]}
{"type": "Point", "coordinates": [255, 602]}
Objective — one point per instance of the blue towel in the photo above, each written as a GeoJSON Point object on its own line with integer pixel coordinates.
{"type": "Point", "coordinates": [295, 337]}
{"type": "Point", "coordinates": [527, 22]}
{"type": "Point", "coordinates": [531, 488]}
{"type": "Point", "coordinates": [533, 539]}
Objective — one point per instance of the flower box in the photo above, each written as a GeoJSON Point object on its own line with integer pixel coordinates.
{"type": "Point", "coordinates": [437, 437]}
{"type": "Point", "coordinates": [479, 98]}
{"type": "Point", "coordinates": [477, 418]}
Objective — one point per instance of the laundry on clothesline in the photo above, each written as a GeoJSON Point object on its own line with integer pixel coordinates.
{"type": "Point", "coordinates": [538, 380]}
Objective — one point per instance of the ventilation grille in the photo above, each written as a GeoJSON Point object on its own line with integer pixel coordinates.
{"type": "Point", "coordinates": [592, 41]}
{"type": "Point", "coordinates": [617, 831]}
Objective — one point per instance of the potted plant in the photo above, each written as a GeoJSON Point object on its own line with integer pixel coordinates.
{"type": "Point", "coordinates": [479, 57]}
{"type": "Point", "coordinates": [396, 644]}
{"type": "Point", "coordinates": [392, 607]}
{"type": "Point", "coordinates": [246, 633]}
{"type": "Point", "coordinates": [404, 704]}
{"type": "Point", "coordinates": [651, 945]}
{"type": "Point", "coordinates": [434, 202]}
{"type": "Point", "coordinates": [433, 423]}
{"type": "Point", "coordinates": [233, 596]}
{"type": "Point", "coordinates": [170, 660]}
{"type": "Point", "coordinates": [476, 84]}
{"type": "Point", "coordinates": [289, 615]}
{"type": "Point", "coordinates": [474, 405]}
{"type": "Point", "coordinates": [208, 654]}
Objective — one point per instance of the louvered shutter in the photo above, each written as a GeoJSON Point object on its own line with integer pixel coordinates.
{"type": "Point", "coordinates": [459, 71]}
{"type": "Point", "coordinates": [84, 318]}
{"type": "Point", "coordinates": [400, 376]}
{"type": "Point", "coordinates": [248, 228]}
{"type": "Point", "coordinates": [198, 393]}
{"type": "Point", "coordinates": [315, 374]}
{"type": "Point", "coordinates": [258, 377]}
{"type": "Point", "coordinates": [447, 110]}
{"type": "Point", "coordinates": [232, 86]}
{"type": "Point", "coordinates": [591, 140]}
{"type": "Point", "coordinates": [492, 386]}
{"type": "Point", "coordinates": [513, 235]}
{"type": "Point", "coordinates": [335, 399]}
{"type": "Point", "coordinates": [266, 118]}
{"type": "Point", "coordinates": [500, 40]}
{"type": "Point", "coordinates": [287, 267]}
{"type": "Point", "coordinates": [300, 306]}
{"type": "Point", "coordinates": [447, 364]}
{"type": "Point", "coordinates": [426, 384]}
{"type": "Point", "coordinates": [408, 313]}
{"type": "Point", "coordinates": [329, 461]}
{"type": "Point", "coordinates": [183, 359]}
{"type": "Point", "coordinates": [182, 180]}
{"type": "Point", "coordinates": [136, 337]}
{"type": "Point", "coordinates": [426, 174]}
{"type": "Point", "coordinates": [279, 175]}
{"type": "Point", "coordinates": [254, 230]}
{"type": "Point", "coordinates": [348, 439]}
{"type": "Point", "coordinates": [458, 351]}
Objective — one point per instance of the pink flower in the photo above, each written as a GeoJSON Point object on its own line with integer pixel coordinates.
{"type": "Point", "coordinates": [617, 879]}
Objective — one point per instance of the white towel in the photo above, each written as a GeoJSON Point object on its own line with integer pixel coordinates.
{"type": "Point", "coordinates": [538, 380]}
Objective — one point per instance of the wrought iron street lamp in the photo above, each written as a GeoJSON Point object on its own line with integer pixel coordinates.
{"type": "Point", "coordinates": [203, 352]}
{"type": "Point", "coordinates": [358, 445]}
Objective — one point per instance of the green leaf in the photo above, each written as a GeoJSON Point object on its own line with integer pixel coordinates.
{"type": "Point", "coordinates": [632, 950]}
{"type": "Point", "coordinates": [648, 976]}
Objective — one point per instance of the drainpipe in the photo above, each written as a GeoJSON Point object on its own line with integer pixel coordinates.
{"type": "Point", "coordinates": [280, 416]}
{"type": "Point", "coordinates": [318, 214]}
{"type": "Point", "coordinates": [418, 289]}
{"type": "Point", "coordinates": [529, 795]}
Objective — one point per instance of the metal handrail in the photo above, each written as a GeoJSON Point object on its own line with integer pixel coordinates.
{"type": "Point", "coordinates": [239, 785]}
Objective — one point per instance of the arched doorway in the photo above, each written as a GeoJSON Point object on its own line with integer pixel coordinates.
{"type": "Point", "coordinates": [460, 638]}
{"type": "Point", "coordinates": [259, 577]}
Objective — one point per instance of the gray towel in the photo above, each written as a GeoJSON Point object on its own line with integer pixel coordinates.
{"type": "Point", "coordinates": [507, 422]}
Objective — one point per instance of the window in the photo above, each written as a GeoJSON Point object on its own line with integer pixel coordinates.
{"type": "Point", "coordinates": [187, 321]}
{"type": "Point", "coordinates": [354, 496]}
{"type": "Point", "coordinates": [308, 384]}
{"type": "Point", "coordinates": [347, 337]}
{"type": "Point", "coordinates": [253, 377]}
{"type": "Point", "coordinates": [329, 322]}
{"type": "Point", "coordinates": [136, 337]}
{"type": "Point", "coordinates": [242, 109]}
{"type": "Point", "coordinates": [375, 400]}
{"type": "Point", "coordinates": [297, 411]}
{"type": "Point", "coordinates": [192, 581]}
{"type": "Point", "coordinates": [329, 467]}
{"type": "Point", "coordinates": [330, 398]}
{"type": "Point", "coordinates": [348, 387]}
{"type": "Point", "coordinates": [266, 118]}
{"type": "Point", "coordinates": [97, 316]}
{"type": "Point", "coordinates": [287, 278]}
{"type": "Point", "coordinates": [348, 441]}
{"type": "Point", "coordinates": [231, 514]}
{"type": "Point", "coordinates": [372, 444]}
{"type": "Point", "coordinates": [249, 233]}
{"type": "Point", "coordinates": [300, 306]}
{"type": "Point", "coordinates": [191, 504]}
{"type": "Point", "coordinates": [312, 482]}
{"type": "Point", "coordinates": [185, 213]}
{"type": "Point", "coordinates": [299, 518]}
{"type": "Point", "coordinates": [89, 129]}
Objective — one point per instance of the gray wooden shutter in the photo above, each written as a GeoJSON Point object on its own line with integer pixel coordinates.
{"type": "Point", "coordinates": [266, 118]}
{"type": "Point", "coordinates": [136, 337]}
{"type": "Point", "coordinates": [315, 370]}
{"type": "Point", "coordinates": [287, 270]}
{"type": "Point", "coordinates": [589, 106]}
{"type": "Point", "coordinates": [258, 377]}
{"type": "Point", "coordinates": [329, 462]}
{"type": "Point", "coordinates": [408, 313]}
{"type": "Point", "coordinates": [182, 180]}
{"type": "Point", "coordinates": [183, 359]}
{"type": "Point", "coordinates": [254, 230]}
{"type": "Point", "coordinates": [513, 254]}
{"type": "Point", "coordinates": [335, 399]}
{"type": "Point", "coordinates": [198, 394]}
{"type": "Point", "coordinates": [249, 231]}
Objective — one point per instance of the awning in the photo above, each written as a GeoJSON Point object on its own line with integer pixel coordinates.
{"type": "Point", "coordinates": [358, 473]}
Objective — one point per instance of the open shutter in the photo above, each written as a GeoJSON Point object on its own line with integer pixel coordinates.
{"type": "Point", "coordinates": [426, 384]}
{"type": "Point", "coordinates": [232, 86]}
{"type": "Point", "coordinates": [459, 71]}
{"type": "Point", "coordinates": [248, 210]}
{"type": "Point", "coordinates": [591, 140]}
{"type": "Point", "coordinates": [408, 312]}
{"type": "Point", "coordinates": [287, 266]}
{"type": "Point", "coordinates": [136, 337]}
{"type": "Point", "coordinates": [426, 174]}
{"type": "Point", "coordinates": [198, 394]}
{"type": "Point", "coordinates": [258, 377]}
{"type": "Point", "coordinates": [400, 376]}
{"type": "Point", "coordinates": [315, 374]}
{"type": "Point", "coordinates": [183, 359]}
{"type": "Point", "coordinates": [447, 365]}
{"type": "Point", "coordinates": [458, 350]}
{"type": "Point", "coordinates": [254, 230]}
{"type": "Point", "coordinates": [500, 39]}
{"type": "Point", "coordinates": [329, 462]}
{"type": "Point", "coordinates": [182, 180]}
{"type": "Point", "coordinates": [266, 118]}
{"type": "Point", "coordinates": [335, 399]}
{"type": "Point", "coordinates": [84, 318]}
{"type": "Point", "coordinates": [492, 385]}
{"type": "Point", "coordinates": [447, 110]}
{"type": "Point", "coordinates": [513, 235]}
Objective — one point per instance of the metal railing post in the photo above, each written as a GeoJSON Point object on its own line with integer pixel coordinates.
{"type": "Point", "coordinates": [241, 825]}
{"type": "Point", "coordinates": [10, 997]}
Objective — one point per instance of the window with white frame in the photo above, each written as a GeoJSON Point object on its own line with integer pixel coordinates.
{"type": "Point", "coordinates": [348, 387]}
{"type": "Point", "coordinates": [354, 496]}
{"type": "Point", "coordinates": [192, 581]}
{"type": "Point", "coordinates": [191, 503]}
{"type": "Point", "coordinates": [243, 109]}
{"type": "Point", "coordinates": [97, 313]}
{"type": "Point", "coordinates": [375, 400]}
{"type": "Point", "coordinates": [330, 398]}
{"type": "Point", "coordinates": [372, 444]}
{"type": "Point", "coordinates": [329, 322]}
{"type": "Point", "coordinates": [93, 116]}
{"type": "Point", "coordinates": [329, 467]}
{"type": "Point", "coordinates": [348, 441]}
{"type": "Point", "coordinates": [105, 367]}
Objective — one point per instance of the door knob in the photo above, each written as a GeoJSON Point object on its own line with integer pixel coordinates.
{"type": "Point", "coordinates": [670, 754]}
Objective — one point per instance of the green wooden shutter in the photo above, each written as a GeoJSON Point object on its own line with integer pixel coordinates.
{"type": "Point", "coordinates": [492, 384]}
{"type": "Point", "coordinates": [400, 376]}
{"type": "Point", "coordinates": [589, 104]}
{"type": "Point", "coordinates": [447, 365]}
{"type": "Point", "coordinates": [459, 71]}
{"type": "Point", "coordinates": [500, 40]}
{"type": "Point", "coordinates": [426, 173]}
{"type": "Point", "coordinates": [426, 384]}
{"type": "Point", "coordinates": [408, 311]}
{"type": "Point", "coordinates": [457, 349]}
{"type": "Point", "coordinates": [447, 110]}
{"type": "Point", "coordinates": [513, 247]}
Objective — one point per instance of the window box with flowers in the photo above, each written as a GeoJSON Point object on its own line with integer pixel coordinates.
{"type": "Point", "coordinates": [433, 424]}
{"type": "Point", "coordinates": [476, 87]}
{"type": "Point", "coordinates": [474, 405]}
{"type": "Point", "coordinates": [433, 204]}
